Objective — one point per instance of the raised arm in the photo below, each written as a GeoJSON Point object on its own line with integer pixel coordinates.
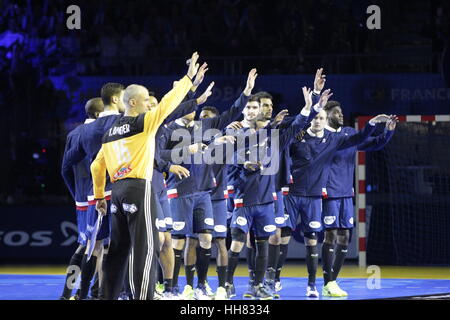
{"type": "Point", "coordinates": [380, 141]}
{"type": "Point", "coordinates": [155, 117]}
{"type": "Point", "coordinates": [235, 111]}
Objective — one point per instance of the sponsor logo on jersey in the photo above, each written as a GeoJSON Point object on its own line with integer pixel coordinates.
{"type": "Point", "coordinates": [286, 216]}
{"type": "Point", "coordinates": [131, 208]}
{"type": "Point", "coordinates": [270, 228]}
{"type": "Point", "coordinates": [160, 223]}
{"type": "Point", "coordinates": [113, 208]}
{"type": "Point", "coordinates": [350, 220]}
{"type": "Point", "coordinates": [122, 172]}
{"type": "Point", "coordinates": [209, 221]}
{"type": "Point", "coordinates": [168, 220]}
{"type": "Point", "coordinates": [220, 228]}
{"type": "Point", "coordinates": [315, 224]}
{"type": "Point", "coordinates": [241, 221]}
{"type": "Point", "coordinates": [178, 225]}
{"type": "Point", "coordinates": [329, 219]}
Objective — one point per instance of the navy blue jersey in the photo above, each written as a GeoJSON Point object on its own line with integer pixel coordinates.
{"type": "Point", "coordinates": [89, 144]}
{"type": "Point", "coordinates": [76, 177]}
{"type": "Point", "coordinates": [312, 156]}
{"type": "Point", "coordinates": [162, 165]}
{"type": "Point", "coordinates": [201, 177]}
{"type": "Point", "coordinates": [258, 187]}
{"type": "Point", "coordinates": [340, 180]}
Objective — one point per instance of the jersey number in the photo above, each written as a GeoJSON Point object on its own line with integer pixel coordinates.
{"type": "Point", "coordinates": [123, 155]}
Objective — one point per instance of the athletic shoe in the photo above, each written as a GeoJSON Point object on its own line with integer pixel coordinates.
{"type": "Point", "coordinates": [342, 292]}
{"type": "Point", "coordinates": [278, 286]}
{"type": "Point", "coordinates": [311, 292]}
{"type": "Point", "coordinates": [188, 293]}
{"type": "Point", "coordinates": [270, 284]}
{"type": "Point", "coordinates": [330, 290]}
{"type": "Point", "coordinates": [201, 293]}
{"type": "Point", "coordinates": [157, 295]}
{"type": "Point", "coordinates": [209, 291]}
{"type": "Point", "coordinates": [231, 290]}
{"type": "Point", "coordinates": [221, 294]}
{"type": "Point", "coordinates": [262, 292]}
{"type": "Point", "coordinates": [249, 293]}
{"type": "Point", "coordinates": [75, 297]}
{"type": "Point", "coordinates": [159, 287]}
{"type": "Point", "coordinates": [169, 296]}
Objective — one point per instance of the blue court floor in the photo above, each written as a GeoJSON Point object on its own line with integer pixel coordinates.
{"type": "Point", "coordinates": [49, 287]}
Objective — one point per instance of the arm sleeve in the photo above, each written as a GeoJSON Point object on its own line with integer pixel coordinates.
{"type": "Point", "coordinates": [154, 118]}
{"type": "Point", "coordinates": [98, 171]}
{"type": "Point", "coordinates": [357, 138]}
{"type": "Point", "coordinates": [67, 170]}
{"type": "Point", "coordinates": [228, 116]}
{"type": "Point", "coordinates": [183, 109]}
{"type": "Point", "coordinates": [376, 143]}
{"type": "Point", "coordinates": [301, 121]}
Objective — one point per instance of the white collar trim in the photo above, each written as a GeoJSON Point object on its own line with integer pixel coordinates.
{"type": "Point", "coordinates": [182, 124]}
{"type": "Point", "coordinates": [312, 134]}
{"type": "Point", "coordinates": [89, 121]}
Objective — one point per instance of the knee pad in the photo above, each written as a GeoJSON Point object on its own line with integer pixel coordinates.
{"type": "Point", "coordinates": [286, 232]}
{"type": "Point", "coordinates": [238, 235]}
{"type": "Point", "coordinates": [179, 236]}
{"type": "Point", "coordinates": [311, 235]}
{"type": "Point", "coordinates": [343, 237]}
{"type": "Point", "coordinates": [330, 236]}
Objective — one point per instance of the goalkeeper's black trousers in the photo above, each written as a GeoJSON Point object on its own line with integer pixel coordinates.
{"type": "Point", "coordinates": [133, 233]}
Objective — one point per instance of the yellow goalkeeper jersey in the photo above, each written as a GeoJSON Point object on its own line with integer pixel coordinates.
{"type": "Point", "coordinates": [128, 147]}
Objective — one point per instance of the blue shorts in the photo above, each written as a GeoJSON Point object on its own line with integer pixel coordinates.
{"type": "Point", "coordinates": [280, 220]}
{"type": "Point", "coordinates": [338, 213]}
{"type": "Point", "coordinates": [81, 225]}
{"type": "Point", "coordinates": [91, 219]}
{"type": "Point", "coordinates": [160, 222]}
{"type": "Point", "coordinates": [167, 214]}
{"type": "Point", "coordinates": [308, 208]}
{"type": "Point", "coordinates": [192, 214]}
{"type": "Point", "coordinates": [258, 218]}
{"type": "Point", "coordinates": [220, 218]}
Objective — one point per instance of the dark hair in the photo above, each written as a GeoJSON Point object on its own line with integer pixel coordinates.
{"type": "Point", "coordinates": [109, 90]}
{"type": "Point", "coordinates": [263, 95]}
{"type": "Point", "coordinates": [253, 97]}
{"type": "Point", "coordinates": [93, 107]}
{"type": "Point", "coordinates": [330, 105]}
{"type": "Point", "coordinates": [212, 109]}
{"type": "Point", "coordinates": [151, 93]}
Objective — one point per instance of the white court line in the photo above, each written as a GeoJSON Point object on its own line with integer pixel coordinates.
{"type": "Point", "coordinates": [29, 284]}
{"type": "Point", "coordinates": [441, 287]}
{"type": "Point", "coordinates": [412, 287]}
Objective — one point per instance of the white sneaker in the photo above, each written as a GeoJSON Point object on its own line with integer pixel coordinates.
{"type": "Point", "coordinates": [311, 292]}
{"type": "Point", "coordinates": [201, 293]}
{"type": "Point", "coordinates": [188, 293]}
{"type": "Point", "coordinates": [209, 291]}
{"type": "Point", "coordinates": [221, 294]}
{"type": "Point", "coordinates": [278, 286]}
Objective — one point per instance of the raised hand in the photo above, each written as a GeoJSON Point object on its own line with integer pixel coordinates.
{"type": "Point", "coordinates": [324, 97]}
{"type": "Point", "coordinates": [200, 75]}
{"type": "Point", "coordinates": [392, 122]}
{"type": "Point", "coordinates": [250, 82]}
{"type": "Point", "coordinates": [319, 80]}
{"type": "Point", "coordinates": [280, 117]}
{"type": "Point", "coordinates": [379, 118]}
{"type": "Point", "coordinates": [193, 65]}
{"type": "Point", "coordinates": [205, 95]}
{"type": "Point", "coordinates": [307, 96]}
{"type": "Point", "coordinates": [180, 171]}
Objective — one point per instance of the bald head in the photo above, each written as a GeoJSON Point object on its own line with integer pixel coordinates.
{"type": "Point", "coordinates": [93, 107]}
{"type": "Point", "coordinates": [137, 98]}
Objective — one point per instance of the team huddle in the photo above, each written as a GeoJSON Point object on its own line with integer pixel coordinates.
{"type": "Point", "coordinates": [154, 188]}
